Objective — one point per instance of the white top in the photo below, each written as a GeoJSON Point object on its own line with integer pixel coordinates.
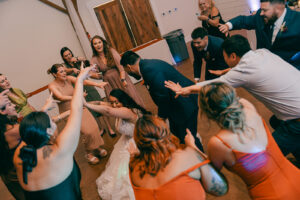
{"type": "Point", "coordinates": [277, 25]}
{"type": "Point", "coordinates": [270, 79]}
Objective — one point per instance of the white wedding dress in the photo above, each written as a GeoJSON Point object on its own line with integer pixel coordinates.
{"type": "Point", "coordinates": [114, 182]}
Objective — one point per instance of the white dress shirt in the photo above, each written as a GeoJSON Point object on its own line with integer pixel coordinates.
{"type": "Point", "coordinates": [268, 78]}
{"type": "Point", "coordinates": [277, 25]}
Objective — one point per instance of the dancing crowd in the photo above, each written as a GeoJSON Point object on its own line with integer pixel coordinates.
{"type": "Point", "coordinates": [159, 155]}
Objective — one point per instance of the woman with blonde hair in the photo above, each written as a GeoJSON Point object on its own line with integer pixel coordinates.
{"type": "Point", "coordinates": [211, 18]}
{"type": "Point", "coordinates": [165, 169]}
{"type": "Point", "coordinates": [245, 145]}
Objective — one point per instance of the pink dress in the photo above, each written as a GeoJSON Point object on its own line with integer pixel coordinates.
{"type": "Point", "coordinates": [112, 76]}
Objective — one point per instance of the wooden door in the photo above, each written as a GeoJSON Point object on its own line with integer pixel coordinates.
{"type": "Point", "coordinates": [115, 26]}
{"type": "Point", "coordinates": [141, 20]}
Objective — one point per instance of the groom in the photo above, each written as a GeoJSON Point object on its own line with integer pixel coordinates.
{"type": "Point", "coordinates": [181, 112]}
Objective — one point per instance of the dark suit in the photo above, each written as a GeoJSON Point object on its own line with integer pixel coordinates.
{"type": "Point", "coordinates": [214, 60]}
{"type": "Point", "coordinates": [287, 42]}
{"type": "Point", "coordinates": [182, 112]}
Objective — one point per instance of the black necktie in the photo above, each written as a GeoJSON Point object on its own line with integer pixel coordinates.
{"type": "Point", "coordinates": [269, 31]}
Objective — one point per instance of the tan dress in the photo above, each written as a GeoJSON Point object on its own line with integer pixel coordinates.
{"type": "Point", "coordinates": [112, 76]}
{"type": "Point", "coordinates": [89, 127]}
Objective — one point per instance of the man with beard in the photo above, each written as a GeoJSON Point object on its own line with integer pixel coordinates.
{"type": "Point", "coordinates": [208, 48]}
{"type": "Point", "coordinates": [181, 112]}
{"type": "Point", "coordinates": [276, 27]}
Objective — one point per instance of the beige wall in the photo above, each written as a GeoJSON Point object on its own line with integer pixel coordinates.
{"type": "Point", "coordinates": [183, 18]}
{"type": "Point", "coordinates": [32, 33]}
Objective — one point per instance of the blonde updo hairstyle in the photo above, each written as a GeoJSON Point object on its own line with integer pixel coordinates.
{"type": "Point", "coordinates": [220, 104]}
{"type": "Point", "coordinates": [155, 144]}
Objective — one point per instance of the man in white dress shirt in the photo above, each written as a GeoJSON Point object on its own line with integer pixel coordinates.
{"type": "Point", "coordinates": [276, 27]}
{"type": "Point", "coordinates": [268, 78]}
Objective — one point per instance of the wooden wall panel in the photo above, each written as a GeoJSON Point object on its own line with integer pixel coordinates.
{"type": "Point", "coordinates": [141, 19]}
{"type": "Point", "coordinates": [114, 26]}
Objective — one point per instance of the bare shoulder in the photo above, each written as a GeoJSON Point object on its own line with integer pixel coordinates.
{"type": "Point", "coordinates": [214, 11]}
{"type": "Point", "coordinates": [247, 104]}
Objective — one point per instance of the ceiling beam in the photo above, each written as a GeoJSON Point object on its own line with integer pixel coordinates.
{"type": "Point", "coordinates": [53, 5]}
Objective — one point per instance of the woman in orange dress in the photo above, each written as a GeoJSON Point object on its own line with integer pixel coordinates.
{"type": "Point", "coordinates": [164, 169]}
{"type": "Point", "coordinates": [245, 145]}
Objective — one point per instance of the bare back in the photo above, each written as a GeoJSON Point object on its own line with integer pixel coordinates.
{"type": "Point", "coordinates": [255, 140]}
{"type": "Point", "coordinates": [51, 169]}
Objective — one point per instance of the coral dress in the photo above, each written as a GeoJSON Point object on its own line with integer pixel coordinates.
{"type": "Point", "coordinates": [180, 187]}
{"type": "Point", "coordinates": [268, 174]}
{"type": "Point", "coordinates": [112, 76]}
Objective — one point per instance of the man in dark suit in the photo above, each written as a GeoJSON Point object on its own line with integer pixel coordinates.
{"type": "Point", "coordinates": [276, 27]}
{"type": "Point", "coordinates": [181, 112]}
{"type": "Point", "coordinates": [208, 48]}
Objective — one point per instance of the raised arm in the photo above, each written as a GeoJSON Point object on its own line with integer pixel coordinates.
{"type": "Point", "coordinates": [122, 112]}
{"type": "Point", "coordinates": [67, 140]}
{"type": "Point", "coordinates": [215, 17]}
{"type": "Point", "coordinates": [88, 82]}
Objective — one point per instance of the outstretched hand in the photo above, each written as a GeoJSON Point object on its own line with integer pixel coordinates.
{"type": "Point", "coordinates": [175, 87]}
{"type": "Point", "coordinates": [4, 98]}
{"type": "Point", "coordinates": [50, 103]}
{"type": "Point", "coordinates": [224, 28]}
{"type": "Point", "coordinates": [84, 72]}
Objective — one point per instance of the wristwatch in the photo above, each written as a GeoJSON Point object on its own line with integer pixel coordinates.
{"type": "Point", "coordinates": [123, 79]}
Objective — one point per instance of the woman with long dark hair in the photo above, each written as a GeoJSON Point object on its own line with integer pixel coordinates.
{"type": "Point", "coordinates": [165, 169]}
{"type": "Point", "coordinates": [245, 145]}
{"type": "Point", "coordinates": [47, 170]}
{"type": "Point", "coordinates": [10, 139]}
{"type": "Point", "coordinates": [107, 59]}
{"type": "Point", "coordinates": [72, 67]}
{"type": "Point", "coordinates": [114, 182]}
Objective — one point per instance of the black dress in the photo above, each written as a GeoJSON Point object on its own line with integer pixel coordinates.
{"type": "Point", "coordinates": [69, 189]}
{"type": "Point", "coordinates": [212, 30]}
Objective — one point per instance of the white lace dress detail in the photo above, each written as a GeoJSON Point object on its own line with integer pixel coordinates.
{"type": "Point", "coordinates": [114, 182]}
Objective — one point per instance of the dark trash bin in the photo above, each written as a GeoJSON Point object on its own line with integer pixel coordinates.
{"type": "Point", "coordinates": [177, 45]}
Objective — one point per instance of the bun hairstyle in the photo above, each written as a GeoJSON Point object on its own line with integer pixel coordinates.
{"type": "Point", "coordinates": [54, 68]}
{"type": "Point", "coordinates": [220, 103]}
{"type": "Point", "coordinates": [33, 131]}
{"type": "Point", "coordinates": [155, 143]}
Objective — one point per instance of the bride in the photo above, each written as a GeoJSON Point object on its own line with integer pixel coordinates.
{"type": "Point", "coordinates": [114, 183]}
